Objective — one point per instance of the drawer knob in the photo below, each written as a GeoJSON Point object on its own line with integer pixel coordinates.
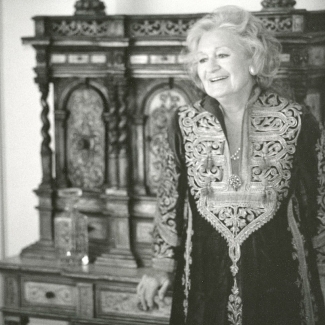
{"type": "Point", "coordinates": [49, 294]}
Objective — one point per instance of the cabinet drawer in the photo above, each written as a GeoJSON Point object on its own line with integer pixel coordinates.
{"type": "Point", "coordinates": [49, 296]}
{"type": "Point", "coordinates": [116, 301]}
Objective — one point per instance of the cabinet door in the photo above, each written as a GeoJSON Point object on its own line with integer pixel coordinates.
{"type": "Point", "coordinates": [85, 139]}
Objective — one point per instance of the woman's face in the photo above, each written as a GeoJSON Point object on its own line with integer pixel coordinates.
{"type": "Point", "coordinates": [223, 66]}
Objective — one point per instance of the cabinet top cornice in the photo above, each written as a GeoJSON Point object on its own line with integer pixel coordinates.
{"type": "Point", "coordinates": [162, 26]}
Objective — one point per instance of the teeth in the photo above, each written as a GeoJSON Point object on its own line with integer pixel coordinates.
{"type": "Point", "coordinates": [219, 78]}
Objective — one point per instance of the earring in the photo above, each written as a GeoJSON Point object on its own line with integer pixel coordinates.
{"type": "Point", "coordinates": [251, 70]}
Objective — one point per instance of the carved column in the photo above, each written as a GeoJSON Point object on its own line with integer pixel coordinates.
{"type": "Point", "coordinates": [138, 152]}
{"type": "Point", "coordinates": [116, 195]}
{"type": "Point", "coordinates": [123, 137]}
{"type": "Point", "coordinates": [42, 80]}
{"type": "Point", "coordinates": [112, 129]}
{"type": "Point", "coordinates": [60, 166]}
{"type": "Point", "coordinates": [44, 248]}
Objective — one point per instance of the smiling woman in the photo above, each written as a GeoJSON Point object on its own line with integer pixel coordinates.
{"type": "Point", "coordinates": [236, 168]}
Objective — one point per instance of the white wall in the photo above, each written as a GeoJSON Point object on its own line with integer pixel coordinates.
{"type": "Point", "coordinates": [20, 105]}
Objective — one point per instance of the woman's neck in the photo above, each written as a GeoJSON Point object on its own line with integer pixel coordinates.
{"type": "Point", "coordinates": [234, 106]}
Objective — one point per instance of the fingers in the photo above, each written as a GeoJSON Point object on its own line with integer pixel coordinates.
{"type": "Point", "coordinates": [150, 294]}
{"type": "Point", "coordinates": [162, 291]}
{"type": "Point", "coordinates": [141, 295]}
{"type": "Point", "coordinates": [146, 291]}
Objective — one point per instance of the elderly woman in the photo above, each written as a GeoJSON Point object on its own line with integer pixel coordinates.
{"type": "Point", "coordinates": [237, 206]}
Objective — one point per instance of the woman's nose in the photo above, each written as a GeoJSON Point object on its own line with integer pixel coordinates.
{"type": "Point", "coordinates": [213, 64]}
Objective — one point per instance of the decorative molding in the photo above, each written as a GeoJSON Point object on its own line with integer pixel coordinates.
{"type": "Point", "coordinates": [79, 27]}
{"type": "Point", "coordinates": [123, 302]}
{"type": "Point", "coordinates": [161, 27]}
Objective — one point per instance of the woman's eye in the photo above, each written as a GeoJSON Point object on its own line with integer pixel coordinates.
{"type": "Point", "coordinates": [222, 55]}
{"type": "Point", "coordinates": [202, 60]}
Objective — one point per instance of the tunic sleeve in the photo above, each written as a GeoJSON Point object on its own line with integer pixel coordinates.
{"type": "Point", "coordinates": [311, 175]}
{"type": "Point", "coordinates": [169, 219]}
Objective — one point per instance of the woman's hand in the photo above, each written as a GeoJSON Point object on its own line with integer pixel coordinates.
{"type": "Point", "coordinates": [152, 285]}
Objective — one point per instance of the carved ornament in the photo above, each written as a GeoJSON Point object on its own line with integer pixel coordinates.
{"type": "Point", "coordinates": [161, 27]}
{"type": "Point", "coordinates": [90, 7]}
{"type": "Point", "coordinates": [278, 4]}
{"type": "Point", "coordinates": [278, 23]}
{"type": "Point", "coordinates": [86, 28]}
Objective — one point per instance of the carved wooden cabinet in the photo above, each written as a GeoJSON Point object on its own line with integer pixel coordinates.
{"type": "Point", "coordinates": [116, 80]}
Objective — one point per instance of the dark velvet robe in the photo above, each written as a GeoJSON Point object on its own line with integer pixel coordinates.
{"type": "Point", "coordinates": [244, 255]}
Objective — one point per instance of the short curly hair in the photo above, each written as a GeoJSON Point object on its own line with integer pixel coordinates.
{"type": "Point", "coordinates": [260, 44]}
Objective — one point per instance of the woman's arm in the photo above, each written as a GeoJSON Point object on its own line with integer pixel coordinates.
{"type": "Point", "coordinates": [168, 221]}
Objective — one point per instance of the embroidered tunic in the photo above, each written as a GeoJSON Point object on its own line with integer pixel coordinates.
{"type": "Point", "coordinates": [244, 252]}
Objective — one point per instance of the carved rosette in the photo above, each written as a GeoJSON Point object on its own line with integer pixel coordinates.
{"type": "Point", "coordinates": [161, 106]}
{"type": "Point", "coordinates": [86, 139]}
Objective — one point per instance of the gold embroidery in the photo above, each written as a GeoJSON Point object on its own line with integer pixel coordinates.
{"type": "Point", "coordinates": [235, 306]}
{"type": "Point", "coordinates": [320, 149]}
{"type": "Point", "coordinates": [186, 281]}
{"type": "Point", "coordinates": [165, 233]}
{"type": "Point", "coordinates": [273, 127]}
{"type": "Point", "coordinates": [300, 254]}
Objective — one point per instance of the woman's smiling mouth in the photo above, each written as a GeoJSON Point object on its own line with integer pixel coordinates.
{"type": "Point", "coordinates": [218, 78]}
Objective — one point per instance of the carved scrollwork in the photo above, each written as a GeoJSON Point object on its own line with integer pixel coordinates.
{"type": "Point", "coordinates": [161, 27]}
{"type": "Point", "coordinates": [86, 28]}
{"type": "Point", "coordinates": [123, 302]}
{"type": "Point", "coordinates": [278, 23]}
{"type": "Point", "coordinates": [86, 139]}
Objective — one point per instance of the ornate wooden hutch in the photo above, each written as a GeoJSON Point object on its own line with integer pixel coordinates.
{"type": "Point", "coordinates": [116, 80]}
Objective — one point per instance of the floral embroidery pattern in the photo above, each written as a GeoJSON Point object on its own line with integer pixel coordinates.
{"type": "Point", "coordinates": [308, 307]}
{"type": "Point", "coordinates": [235, 306]}
{"type": "Point", "coordinates": [165, 233]}
{"type": "Point", "coordinates": [320, 149]}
